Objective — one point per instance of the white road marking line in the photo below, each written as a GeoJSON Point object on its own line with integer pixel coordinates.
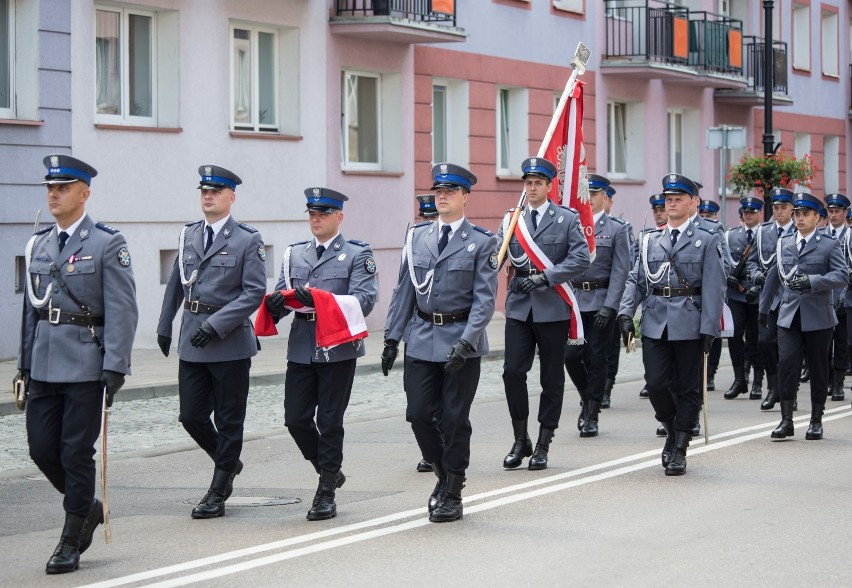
{"type": "Point", "coordinates": [832, 414]}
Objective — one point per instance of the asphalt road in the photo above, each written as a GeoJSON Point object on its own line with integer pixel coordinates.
{"type": "Point", "coordinates": [749, 511]}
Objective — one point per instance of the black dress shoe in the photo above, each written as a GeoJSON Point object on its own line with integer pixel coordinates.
{"type": "Point", "coordinates": [756, 391]}
{"type": "Point", "coordinates": [814, 431]}
{"type": "Point", "coordinates": [213, 503]}
{"type": "Point", "coordinates": [677, 463]}
{"type": "Point", "coordinates": [440, 492]}
{"type": "Point", "coordinates": [590, 429]}
{"type": "Point", "coordinates": [584, 414]}
{"type": "Point", "coordinates": [323, 506]}
{"type": "Point", "coordinates": [785, 427]}
{"type": "Point", "coordinates": [66, 556]}
{"type": "Point", "coordinates": [521, 448]}
{"type": "Point", "coordinates": [451, 508]}
{"type": "Point", "coordinates": [696, 430]}
{"type": "Point", "coordinates": [538, 461]}
{"type": "Point", "coordinates": [424, 466]}
{"type": "Point", "coordinates": [643, 393]}
{"type": "Point", "coordinates": [92, 520]}
{"type": "Point", "coordinates": [711, 383]}
{"type": "Point", "coordinates": [661, 431]}
{"type": "Point", "coordinates": [669, 432]}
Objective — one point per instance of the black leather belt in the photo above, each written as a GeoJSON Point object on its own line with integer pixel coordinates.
{"type": "Point", "coordinates": [672, 292]}
{"type": "Point", "coordinates": [586, 286]}
{"type": "Point", "coordinates": [56, 316]}
{"type": "Point", "coordinates": [306, 316]}
{"type": "Point", "coordinates": [196, 307]}
{"type": "Point", "coordinates": [443, 318]}
{"type": "Point", "coordinates": [524, 273]}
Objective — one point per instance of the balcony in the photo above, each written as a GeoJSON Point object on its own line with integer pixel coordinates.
{"type": "Point", "coordinates": [652, 39]}
{"type": "Point", "coordinates": [752, 94]}
{"type": "Point", "coordinates": [398, 21]}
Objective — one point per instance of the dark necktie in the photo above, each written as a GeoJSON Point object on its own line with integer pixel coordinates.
{"type": "Point", "coordinates": [675, 233]}
{"type": "Point", "coordinates": [834, 233]}
{"type": "Point", "coordinates": [320, 251]}
{"type": "Point", "coordinates": [445, 237]}
{"type": "Point", "coordinates": [749, 236]}
{"type": "Point", "coordinates": [780, 231]}
{"type": "Point", "coordinates": [209, 240]}
{"type": "Point", "coordinates": [63, 238]}
{"type": "Point", "coordinates": [535, 219]}
{"type": "Point", "coordinates": [802, 243]}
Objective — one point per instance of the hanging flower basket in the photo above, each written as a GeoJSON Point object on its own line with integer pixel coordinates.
{"type": "Point", "coordinates": [780, 170]}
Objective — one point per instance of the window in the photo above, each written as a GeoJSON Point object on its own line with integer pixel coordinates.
{"type": "Point", "coordinates": [675, 120]}
{"type": "Point", "coordinates": [683, 129]}
{"type": "Point", "coordinates": [439, 123]}
{"type": "Point", "coordinates": [450, 121]}
{"type": "Point", "coordinates": [7, 36]}
{"type": "Point", "coordinates": [831, 169]}
{"type": "Point", "coordinates": [616, 126]}
{"type": "Point", "coordinates": [512, 130]}
{"type": "Point", "coordinates": [569, 5]}
{"type": "Point", "coordinates": [167, 263]}
{"type": "Point", "coordinates": [801, 147]}
{"type": "Point", "coordinates": [362, 120]}
{"type": "Point", "coordinates": [801, 37]}
{"type": "Point", "coordinates": [20, 274]}
{"type": "Point", "coordinates": [830, 53]}
{"type": "Point", "coordinates": [254, 79]}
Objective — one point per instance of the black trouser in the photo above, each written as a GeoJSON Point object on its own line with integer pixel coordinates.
{"type": "Point", "coordinates": [586, 364]}
{"type": "Point", "coordinates": [613, 353]}
{"type": "Point", "coordinates": [767, 344]}
{"type": "Point", "coordinates": [743, 345]}
{"type": "Point", "coordinates": [220, 388]}
{"type": "Point", "coordinates": [522, 339]}
{"type": "Point", "coordinates": [324, 389]}
{"type": "Point", "coordinates": [672, 377]}
{"type": "Point", "coordinates": [63, 424]}
{"type": "Point", "coordinates": [839, 356]}
{"type": "Point", "coordinates": [793, 343]}
{"type": "Point", "coordinates": [431, 391]}
{"type": "Point", "coordinates": [714, 356]}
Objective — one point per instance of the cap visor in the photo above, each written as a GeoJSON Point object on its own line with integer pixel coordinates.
{"type": "Point", "coordinates": [446, 185]}
{"type": "Point", "coordinates": [57, 181]}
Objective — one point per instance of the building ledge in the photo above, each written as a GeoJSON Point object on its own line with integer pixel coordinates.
{"type": "Point", "coordinates": [391, 29]}
{"type": "Point", "coordinates": [748, 97]}
{"type": "Point", "coordinates": [21, 122]}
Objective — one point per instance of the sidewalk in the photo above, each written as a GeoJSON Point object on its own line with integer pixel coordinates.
{"type": "Point", "coordinates": [155, 376]}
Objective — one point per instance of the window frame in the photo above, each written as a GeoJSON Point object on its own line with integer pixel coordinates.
{"type": "Point", "coordinates": [804, 44]}
{"type": "Point", "coordinates": [833, 52]}
{"type": "Point", "coordinates": [125, 118]}
{"type": "Point", "coordinates": [345, 117]}
{"type": "Point", "coordinates": [671, 115]}
{"type": "Point", "coordinates": [9, 111]}
{"type": "Point", "coordinates": [611, 143]}
{"type": "Point", "coordinates": [254, 41]}
{"type": "Point", "coordinates": [445, 91]}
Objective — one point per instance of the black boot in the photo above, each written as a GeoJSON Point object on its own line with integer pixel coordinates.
{"type": "Point", "coordinates": [213, 503]}
{"type": "Point", "coordinates": [747, 370]}
{"type": "Point", "coordinates": [440, 491]}
{"type": "Point", "coordinates": [538, 461]}
{"type": "Point", "coordinates": [92, 520]}
{"type": "Point", "coordinates": [584, 414]}
{"type": "Point", "coordinates": [696, 426]}
{"type": "Point", "coordinates": [771, 392]}
{"type": "Point", "coordinates": [677, 464]}
{"type": "Point", "coordinates": [590, 429]}
{"type": "Point", "coordinates": [424, 466]}
{"type": "Point", "coordinates": [324, 506]}
{"type": "Point", "coordinates": [757, 385]}
{"type": "Point", "coordinates": [605, 402]}
{"type": "Point", "coordinates": [450, 508]}
{"type": "Point", "coordinates": [815, 427]}
{"type": "Point", "coordinates": [643, 393]}
{"type": "Point", "coordinates": [229, 487]}
{"type": "Point", "coordinates": [668, 428]}
{"type": "Point", "coordinates": [66, 556]}
{"type": "Point", "coordinates": [521, 448]}
{"type": "Point", "coordinates": [837, 392]}
{"type": "Point", "coordinates": [340, 477]}
{"type": "Point", "coordinates": [785, 428]}
{"type": "Point", "coordinates": [711, 377]}
{"type": "Point", "coordinates": [661, 431]}
{"type": "Point", "coordinates": [740, 386]}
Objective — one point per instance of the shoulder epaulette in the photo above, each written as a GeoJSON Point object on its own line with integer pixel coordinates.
{"type": "Point", "coordinates": [246, 227]}
{"type": "Point", "coordinates": [299, 243]}
{"type": "Point", "coordinates": [190, 223]}
{"type": "Point", "coordinates": [359, 243]}
{"type": "Point", "coordinates": [706, 230]}
{"type": "Point", "coordinates": [106, 228]}
{"type": "Point", "coordinates": [43, 231]}
{"type": "Point", "coordinates": [829, 236]}
{"type": "Point", "coordinates": [483, 231]}
{"type": "Point", "coordinates": [574, 210]}
{"type": "Point", "coordinates": [423, 224]}
{"type": "Point", "coordinates": [767, 223]}
{"type": "Point", "coordinates": [710, 220]}
{"type": "Point", "coordinates": [619, 221]}
{"type": "Point", "coordinates": [788, 236]}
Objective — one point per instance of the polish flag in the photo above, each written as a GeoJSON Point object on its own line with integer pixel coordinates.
{"type": "Point", "coordinates": [339, 317]}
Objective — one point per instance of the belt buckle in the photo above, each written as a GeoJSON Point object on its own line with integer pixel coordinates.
{"type": "Point", "coordinates": [667, 291]}
{"type": "Point", "coordinates": [53, 315]}
{"type": "Point", "coordinates": [438, 319]}
{"type": "Point", "coordinates": [311, 316]}
{"type": "Point", "coordinates": [587, 286]}
{"type": "Point", "coordinates": [193, 306]}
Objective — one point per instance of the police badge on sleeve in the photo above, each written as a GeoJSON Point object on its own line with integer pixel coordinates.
{"type": "Point", "coordinates": [261, 253]}
{"type": "Point", "coordinates": [124, 257]}
{"type": "Point", "coordinates": [370, 265]}
{"type": "Point", "coordinates": [492, 260]}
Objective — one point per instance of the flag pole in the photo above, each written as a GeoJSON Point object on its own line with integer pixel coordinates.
{"type": "Point", "coordinates": [578, 66]}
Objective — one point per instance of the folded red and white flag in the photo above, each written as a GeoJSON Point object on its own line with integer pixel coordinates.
{"type": "Point", "coordinates": [727, 321]}
{"type": "Point", "coordinates": [339, 317]}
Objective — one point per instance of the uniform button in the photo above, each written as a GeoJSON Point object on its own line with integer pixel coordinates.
{"type": "Point", "coordinates": [315, 275]}
{"type": "Point", "coordinates": [436, 294]}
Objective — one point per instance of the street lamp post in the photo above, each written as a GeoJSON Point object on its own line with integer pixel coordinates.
{"type": "Point", "coordinates": [768, 85]}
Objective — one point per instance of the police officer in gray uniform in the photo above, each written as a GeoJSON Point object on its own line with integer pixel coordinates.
{"type": "Point", "coordinates": [808, 267]}
{"type": "Point", "coordinates": [837, 205]}
{"type": "Point", "coordinates": [598, 291]}
{"type": "Point", "coordinates": [536, 316]}
{"type": "Point", "coordinates": [446, 291]}
{"type": "Point", "coordinates": [319, 380]}
{"type": "Point", "coordinates": [219, 279]}
{"type": "Point", "coordinates": [706, 215]}
{"type": "Point", "coordinates": [658, 209]}
{"type": "Point", "coordinates": [78, 326]}
{"type": "Point", "coordinates": [762, 258]}
{"type": "Point", "coordinates": [679, 281]}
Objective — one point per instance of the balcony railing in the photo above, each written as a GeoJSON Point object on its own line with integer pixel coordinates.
{"type": "Point", "coordinates": [436, 11]}
{"type": "Point", "coordinates": [715, 43]}
{"type": "Point", "coordinates": [753, 52]}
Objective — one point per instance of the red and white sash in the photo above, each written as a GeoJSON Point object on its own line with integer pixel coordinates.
{"type": "Point", "coordinates": [542, 262]}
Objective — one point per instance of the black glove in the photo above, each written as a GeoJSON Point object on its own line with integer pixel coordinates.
{"type": "Point", "coordinates": [164, 343]}
{"type": "Point", "coordinates": [840, 308]}
{"type": "Point", "coordinates": [752, 294]}
{"type": "Point", "coordinates": [708, 342]}
{"type": "Point", "coordinates": [203, 335]}
{"type": "Point", "coordinates": [389, 355]}
{"type": "Point", "coordinates": [603, 317]}
{"type": "Point", "coordinates": [304, 296]}
{"type": "Point", "coordinates": [457, 356]}
{"type": "Point", "coordinates": [275, 303]}
{"type": "Point", "coordinates": [733, 283]}
{"type": "Point", "coordinates": [626, 327]}
{"type": "Point", "coordinates": [112, 381]}
{"type": "Point", "coordinates": [799, 282]}
{"type": "Point", "coordinates": [763, 320]}
{"type": "Point", "coordinates": [533, 282]}
{"type": "Point", "coordinates": [759, 279]}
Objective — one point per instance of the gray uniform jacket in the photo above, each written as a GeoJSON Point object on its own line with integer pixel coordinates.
{"type": "Point", "coordinates": [232, 274]}
{"type": "Point", "coordinates": [762, 256]}
{"type": "Point", "coordinates": [737, 241]}
{"type": "Point", "coordinates": [560, 237]}
{"type": "Point", "coordinates": [346, 267]}
{"type": "Point", "coordinates": [95, 266]}
{"type": "Point", "coordinates": [464, 278]}
{"type": "Point", "coordinates": [838, 293]}
{"type": "Point", "coordinates": [846, 247]}
{"type": "Point", "coordinates": [822, 261]}
{"type": "Point", "coordinates": [698, 255]}
{"type": "Point", "coordinates": [612, 263]}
